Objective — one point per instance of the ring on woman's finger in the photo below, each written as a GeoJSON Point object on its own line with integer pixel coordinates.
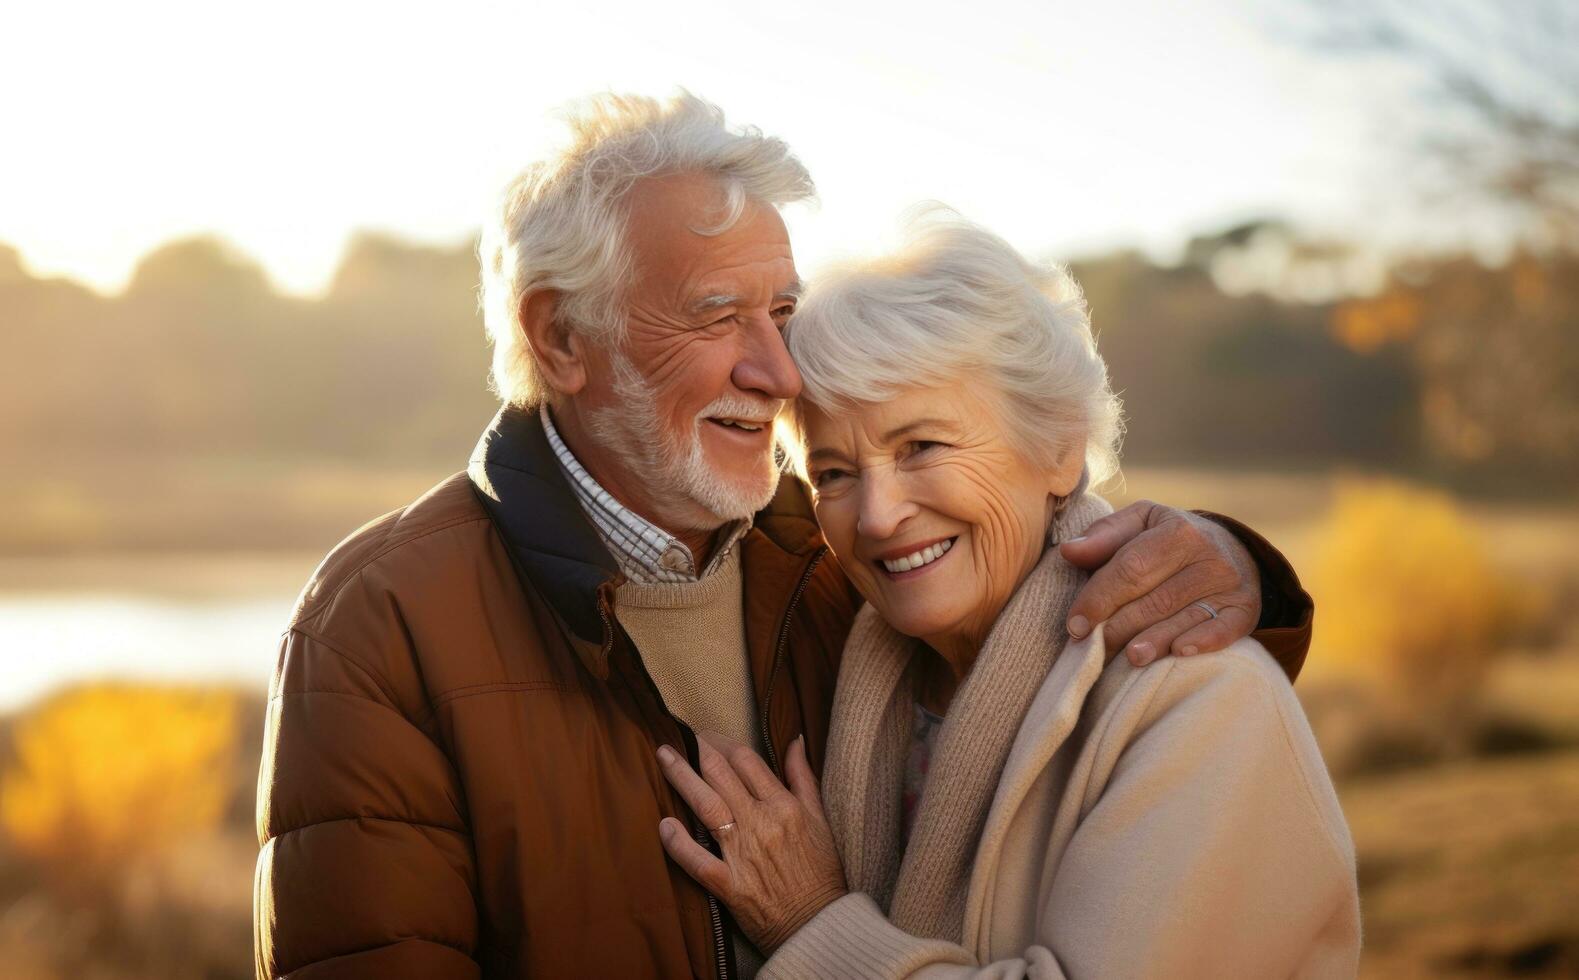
{"type": "Point", "coordinates": [715, 831]}
{"type": "Point", "coordinates": [1210, 612]}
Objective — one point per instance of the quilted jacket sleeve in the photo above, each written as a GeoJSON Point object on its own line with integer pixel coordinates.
{"type": "Point", "coordinates": [1287, 611]}
{"type": "Point", "coordinates": [366, 867]}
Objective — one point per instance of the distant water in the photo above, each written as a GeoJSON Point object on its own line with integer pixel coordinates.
{"type": "Point", "coordinates": [54, 637]}
{"type": "Point", "coordinates": [50, 640]}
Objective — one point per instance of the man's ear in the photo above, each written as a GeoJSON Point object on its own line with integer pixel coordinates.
{"type": "Point", "coordinates": [559, 351]}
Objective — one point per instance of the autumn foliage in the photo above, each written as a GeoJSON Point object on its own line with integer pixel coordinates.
{"type": "Point", "coordinates": [106, 774]}
{"type": "Point", "coordinates": [1408, 593]}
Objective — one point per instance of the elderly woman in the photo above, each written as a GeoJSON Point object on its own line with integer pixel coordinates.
{"type": "Point", "coordinates": [1001, 802]}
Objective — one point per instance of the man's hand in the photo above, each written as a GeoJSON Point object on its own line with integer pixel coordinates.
{"type": "Point", "coordinates": [1153, 566]}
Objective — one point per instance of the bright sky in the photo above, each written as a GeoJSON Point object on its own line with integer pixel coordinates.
{"type": "Point", "coordinates": [1065, 125]}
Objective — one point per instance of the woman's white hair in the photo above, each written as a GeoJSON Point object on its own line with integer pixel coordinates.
{"type": "Point", "coordinates": [957, 302]}
{"type": "Point", "coordinates": [561, 225]}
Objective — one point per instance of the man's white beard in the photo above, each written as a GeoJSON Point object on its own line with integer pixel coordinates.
{"type": "Point", "coordinates": [688, 493]}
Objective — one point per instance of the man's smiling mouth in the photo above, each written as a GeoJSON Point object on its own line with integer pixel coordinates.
{"type": "Point", "coordinates": [748, 425]}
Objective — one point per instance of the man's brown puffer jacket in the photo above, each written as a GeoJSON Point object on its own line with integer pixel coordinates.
{"type": "Point", "coordinates": [459, 776]}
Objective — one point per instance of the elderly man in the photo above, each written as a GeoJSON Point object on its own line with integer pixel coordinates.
{"type": "Point", "coordinates": [459, 777]}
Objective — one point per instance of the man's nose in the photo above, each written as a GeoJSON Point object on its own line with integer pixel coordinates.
{"type": "Point", "coordinates": [765, 364]}
{"type": "Point", "coordinates": [884, 504]}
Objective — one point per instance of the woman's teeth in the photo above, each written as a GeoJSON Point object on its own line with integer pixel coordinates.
{"type": "Point", "coordinates": [925, 556]}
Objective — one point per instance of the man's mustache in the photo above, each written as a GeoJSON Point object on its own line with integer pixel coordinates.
{"type": "Point", "coordinates": [744, 409]}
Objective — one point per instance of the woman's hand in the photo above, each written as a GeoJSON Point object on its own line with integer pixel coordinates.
{"type": "Point", "coordinates": [780, 867]}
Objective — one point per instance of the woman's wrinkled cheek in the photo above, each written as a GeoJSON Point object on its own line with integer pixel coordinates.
{"type": "Point", "coordinates": [1000, 530]}
{"type": "Point", "coordinates": [1007, 541]}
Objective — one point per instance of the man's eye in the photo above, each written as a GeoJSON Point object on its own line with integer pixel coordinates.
{"type": "Point", "coordinates": [785, 311]}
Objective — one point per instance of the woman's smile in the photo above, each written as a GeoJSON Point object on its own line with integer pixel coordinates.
{"type": "Point", "coordinates": [904, 563]}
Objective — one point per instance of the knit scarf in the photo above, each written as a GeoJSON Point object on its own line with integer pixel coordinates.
{"type": "Point", "coordinates": [924, 887]}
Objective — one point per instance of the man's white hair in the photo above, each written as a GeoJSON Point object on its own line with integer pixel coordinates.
{"type": "Point", "coordinates": [561, 223]}
{"type": "Point", "coordinates": [954, 303]}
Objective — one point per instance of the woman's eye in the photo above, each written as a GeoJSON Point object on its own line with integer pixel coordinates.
{"type": "Point", "coordinates": [827, 478]}
{"type": "Point", "coordinates": [921, 447]}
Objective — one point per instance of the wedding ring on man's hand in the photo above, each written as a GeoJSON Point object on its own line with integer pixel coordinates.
{"type": "Point", "coordinates": [715, 831]}
{"type": "Point", "coordinates": [1210, 612]}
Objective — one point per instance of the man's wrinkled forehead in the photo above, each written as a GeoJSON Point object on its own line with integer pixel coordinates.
{"type": "Point", "coordinates": [675, 202]}
{"type": "Point", "coordinates": [663, 215]}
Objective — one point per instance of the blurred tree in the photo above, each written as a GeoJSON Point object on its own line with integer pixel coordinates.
{"type": "Point", "coordinates": [193, 329]}
{"type": "Point", "coordinates": [11, 269]}
{"type": "Point", "coordinates": [48, 337]}
{"type": "Point", "coordinates": [1373, 323]}
{"type": "Point", "coordinates": [195, 268]}
{"type": "Point", "coordinates": [1269, 255]}
{"type": "Point", "coordinates": [1495, 131]}
{"type": "Point", "coordinates": [1209, 378]}
{"type": "Point", "coordinates": [1500, 83]}
{"type": "Point", "coordinates": [1499, 367]}
{"type": "Point", "coordinates": [406, 319]}
{"type": "Point", "coordinates": [1496, 355]}
{"type": "Point", "coordinates": [201, 357]}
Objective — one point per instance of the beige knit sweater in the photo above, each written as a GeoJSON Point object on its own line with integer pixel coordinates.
{"type": "Point", "coordinates": [692, 638]}
{"type": "Point", "coordinates": [1082, 817]}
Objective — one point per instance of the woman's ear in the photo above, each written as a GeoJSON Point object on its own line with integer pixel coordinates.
{"type": "Point", "coordinates": [1065, 474]}
{"type": "Point", "coordinates": [560, 351]}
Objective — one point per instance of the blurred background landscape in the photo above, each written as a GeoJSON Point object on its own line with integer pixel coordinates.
{"type": "Point", "coordinates": [1376, 365]}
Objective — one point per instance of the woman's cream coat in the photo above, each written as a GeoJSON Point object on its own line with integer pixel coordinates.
{"type": "Point", "coordinates": [1174, 820]}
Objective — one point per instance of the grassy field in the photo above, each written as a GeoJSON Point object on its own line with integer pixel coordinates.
{"type": "Point", "coordinates": [1470, 868]}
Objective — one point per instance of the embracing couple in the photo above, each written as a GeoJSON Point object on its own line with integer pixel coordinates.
{"type": "Point", "coordinates": [627, 699]}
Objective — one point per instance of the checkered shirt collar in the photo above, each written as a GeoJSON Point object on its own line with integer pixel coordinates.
{"type": "Point", "coordinates": [646, 553]}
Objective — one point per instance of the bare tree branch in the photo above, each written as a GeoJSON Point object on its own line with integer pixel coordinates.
{"type": "Point", "coordinates": [1501, 83]}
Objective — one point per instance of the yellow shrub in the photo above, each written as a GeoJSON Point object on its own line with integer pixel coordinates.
{"type": "Point", "coordinates": [108, 773]}
{"type": "Point", "coordinates": [1406, 592]}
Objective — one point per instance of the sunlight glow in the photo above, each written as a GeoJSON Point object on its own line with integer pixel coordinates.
{"type": "Point", "coordinates": [1065, 126]}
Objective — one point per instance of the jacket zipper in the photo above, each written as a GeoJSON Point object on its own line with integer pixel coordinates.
{"type": "Point", "coordinates": [698, 832]}
{"type": "Point", "coordinates": [778, 657]}
{"type": "Point", "coordinates": [720, 951]}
